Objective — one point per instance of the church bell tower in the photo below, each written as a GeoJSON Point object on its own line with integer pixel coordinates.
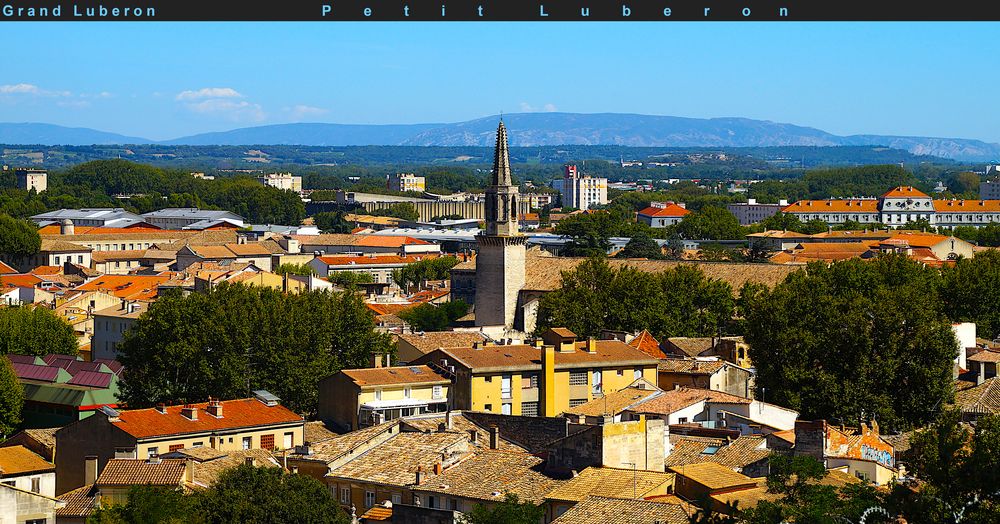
{"type": "Point", "coordinates": [500, 260]}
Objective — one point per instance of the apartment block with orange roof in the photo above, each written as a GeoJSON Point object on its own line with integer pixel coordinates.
{"type": "Point", "coordinates": [356, 398]}
{"type": "Point", "coordinates": [260, 422]}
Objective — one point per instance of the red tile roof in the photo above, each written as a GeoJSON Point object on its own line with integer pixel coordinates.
{"type": "Point", "coordinates": [6, 270]}
{"type": "Point", "coordinates": [610, 353]}
{"type": "Point", "coordinates": [904, 192]}
{"type": "Point", "coordinates": [136, 472]}
{"type": "Point", "coordinates": [966, 206]}
{"type": "Point", "coordinates": [19, 280]}
{"type": "Point", "coordinates": [19, 460]}
{"type": "Point", "coordinates": [670, 210]}
{"type": "Point", "coordinates": [47, 270]}
{"type": "Point", "coordinates": [243, 413]}
{"type": "Point", "coordinates": [134, 287]}
{"type": "Point", "coordinates": [137, 229]}
{"type": "Point", "coordinates": [865, 205]}
{"type": "Point", "coordinates": [394, 375]}
{"type": "Point", "coordinates": [356, 260]}
{"type": "Point", "coordinates": [648, 345]}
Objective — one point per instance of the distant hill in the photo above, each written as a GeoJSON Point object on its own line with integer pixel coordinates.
{"type": "Point", "coordinates": [48, 134]}
{"type": "Point", "coordinates": [533, 129]}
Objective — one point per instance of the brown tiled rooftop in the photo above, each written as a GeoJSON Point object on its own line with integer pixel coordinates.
{"type": "Point", "coordinates": [80, 503]}
{"type": "Point", "coordinates": [713, 476]}
{"type": "Point", "coordinates": [603, 510]}
{"type": "Point", "coordinates": [611, 482]}
{"type": "Point", "coordinates": [394, 375]}
{"type": "Point", "coordinates": [19, 460]}
{"type": "Point", "coordinates": [675, 399]}
{"type": "Point", "coordinates": [690, 366]}
{"type": "Point", "coordinates": [646, 343]}
{"type": "Point", "coordinates": [428, 341]}
{"type": "Point", "coordinates": [983, 398]}
{"type": "Point", "coordinates": [316, 432]}
{"type": "Point", "coordinates": [137, 472]}
{"type": "Point", "coordinates": [395, 461]}
{"type": "Point", "coordinates": [613, 403]}
{"type": "Point", "coordinates": [242, 413]}
{"type": "Point", "coordinates": [488, 475]}
{"type": "Point", "coordinates": [739, 453]}
{"type": "Point", "coordinates": [459, 424]}
{"type": "Point", "coordinates": [986, 356]}
{"type": "Point", "coordinates": [495, 357]}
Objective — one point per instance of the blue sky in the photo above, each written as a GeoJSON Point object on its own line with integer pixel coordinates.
{"type": "Point", "coordinates": [159, 80]}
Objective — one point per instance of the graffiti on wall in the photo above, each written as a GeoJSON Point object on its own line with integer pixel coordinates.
{"type": "Point", "coordinates": [882, 457]}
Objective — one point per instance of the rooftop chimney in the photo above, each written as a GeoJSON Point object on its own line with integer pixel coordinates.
{"type": "Point", "coordinates": [162, 408]}
{"type": "Point", "coordinates": [377, 361]}
{"type": "Point", "coordinates": [473, 436]}
{"type": "Point", "coordinates": [448, 419]}
{"type": "Point", "coordinates": [438, 468]}
{"type": "Point", "coordinates": [420, 475]}
{"type": "Point", "coordinates": [248, 461]}
{"type": "Point", "coordinates": [214, 407]}
{"type": "Point", "coordinates": [592, 345]}
{"type": "Point", "coordinates": [153, 459]}
{"type": "Point", "coordinates": [494, 437]}
{"type": "Point", "coordinates": [190, 412]}
{"type": "Point", "coordinates": [90, 470]}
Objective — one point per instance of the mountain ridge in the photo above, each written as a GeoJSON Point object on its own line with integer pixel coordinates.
{"type": "Point", "coordinates": [528, 129]}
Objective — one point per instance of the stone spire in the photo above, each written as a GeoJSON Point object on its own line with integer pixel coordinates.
{"type": "Point", "coordinates": [501, 159]}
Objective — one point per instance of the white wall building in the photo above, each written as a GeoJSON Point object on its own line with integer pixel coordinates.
{"type": "Point", "coordinates": [751, 212]}
{"type": "Point", "coordinates": [581, 192]}
{"type": "Point", "coordinates": [405, 182]}
{"type": "Point", "coordinates": [28, 179]}
{"type": "Point", "coordinates": [283, 181]}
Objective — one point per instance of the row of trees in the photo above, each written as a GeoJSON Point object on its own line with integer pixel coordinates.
{"type": "Point", "coordinates": [234, 339]}
{"type": "Point", "coordinates": [851, 341]}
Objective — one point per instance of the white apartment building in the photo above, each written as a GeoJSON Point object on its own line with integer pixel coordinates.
{"type": "Point", "coordinates": [28, 179]}
{"type": "Point", "coordinates": [283, 181]}
{"type": "Point", "coordinates": [581, 192]}
{"type": "Point", "coordinates": [751, 212]}
{"type": "Point", "coordinates": [405, 182]}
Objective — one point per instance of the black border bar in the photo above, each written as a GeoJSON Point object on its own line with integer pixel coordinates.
{"type": "Point", "coordinates": [499, 10]}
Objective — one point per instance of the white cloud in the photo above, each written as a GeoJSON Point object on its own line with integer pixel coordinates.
{"type": "Point", "coordinates": [528, 108]}
{"type": "Point", "coordinates": [9, 89]}
{"type": "Point", "coordinates": [235, 110]}
{"type": "Point", "coordinates": [300, 112]}
{"type": "Point", "coordinates": [209, 92]}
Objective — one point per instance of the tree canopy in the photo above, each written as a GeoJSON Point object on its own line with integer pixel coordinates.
{"type": "Point", "coordinates": [434, 317]}
{"type": "Point", "coordinates": [18, 238]}
{"type": "Point", "coordinates": [711, 223]}
{"type": "Point", "coordinates": [971, 292]}
{"type": "Point", "coordinates": [35, 331]}
{"type": "Point", "coordinates": [234, 339]}
{"type": "Point", "coordinates": [403, 210]}
{"type": "Point", "coordinates": [853, 340]}
{"type": "Point", "coordinates": [641, 246]}
{"type": "Point", "coordinates": [11, 398]}
{"type": "Point", "coordinates": [680, 301]}
{"type": "Point", "coordinates": [332, 222]}
{"type": "Point", "coordinates": [415, 273]}
{"type": "Point", "coordinates": [510, 510]}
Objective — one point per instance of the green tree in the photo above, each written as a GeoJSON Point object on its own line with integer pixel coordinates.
{"type": "Point", "coordinates": [510, 511]}
{"type": "Point", "coordinates": [595, 296]}
{"type": "Point", "coordinates": [350, 279]}
{"type": "Point", "coordinates": [433, 317]}
{"type": "Point", "coordinates": [711, 223]}
{"type": "Point", "coordinates": [641, 246]}
{"type": "Point", "coordinates": [783, 222]}
{"type": "Point", "coordinates": [236, 338]}
{"type": "Point", "coordinates": [295, 269]}
{"type": "Point", "coordinates": [402, 210]}
{"type": "Point", "coordinates": [18, 238]}
{"type": "Point", "coordinates": [971, 292]}
{"type": "Point", "coordinates": [150, 505]}
{"type": "Point", "coordinates": [332, 222]}
{"type": "Point", "coordinates": [416, 273]}
{"type": "Point", "coordinates": [11, 398]}
{"type": "Point", "coordinates": [988, 235]}
{"type": "Point", "coordinates": [854, 340]}
{"type": "Point", "coordinates": [35, 331]}
{"type": "Point", "coordinates": [922, 224]}
{"type": "Point", "coordinates": [253, 495]}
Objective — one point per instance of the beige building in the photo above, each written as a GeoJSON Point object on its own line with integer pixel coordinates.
{"type": "Point", "coordinates": [405, 182]}
{"type": "Point", "coordinates": [32, 179]}
{"type": "Point", "coordinates": [110, 325]}
{"type": "Point", "coordinates": [284, 181]}
{"type": "Point", "coordinates": [411, 346]}
{"type": "Point", "coordinates": [252, 423]}
{"type": "Point", "coordinates": [355, 398]}
{"type": "Point", "coordinates": [547, 378]}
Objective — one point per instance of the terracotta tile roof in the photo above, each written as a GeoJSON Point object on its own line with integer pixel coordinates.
{"type": "Point", "coordinates": [209, 463]}
{"type": "Point", "coordinates": [19, 280]}
{"type": "Point", "coordinates": [47, 270]}
{"type": "Point", "coordinates": [395, 461]}
{"type": "Point", "coordinates": [713, 476]}
{"type": "Point", "coordinates": [691, 366]}
{"type": "Point", "coordinates": [137, 309]}
{"type": "Point", "coordinates": [428, 341]}
{"type": "Point", "coordinates": [904, 192]}
{"type": "Point", "coordinates": [428, 295]}
{"type": "Point", "coordinates": [853, 235]}
{"type": "Point", "coordinates": [601, 510]}
{"type": "Point", "coordinates": [357, 240]}
{"type": "Point", "coordinates": [377, 514]}
{"type": "Point", "coordinates": [113, 233]}
{"type": "Point", "coordinates": [137, 472]}
{"type": "Point", "coordinates": [691, 346]}
{"type": "Point", "coordinates": [61, 246]}
{"type": "Point", "coordinates": [648, 345]}
{"type": "Point", "coordinates": [335, 447]}
{"type": "Point", "coordinates": [787, 435]}
{"type": "Point", "coordinates": [488, 475]}
{"type": "Point", "coordinates": [459, 424]}
{"type": "Point", "coordinates": [394, 375]}
{"type": "Point", "coordinates": [675, 399]}
{"type": "Point", "coordinates": [829, 252]}
{"type": "Point", "coordinates": [106, 256]}
{"type": "Point", "coordinates": [916, 239]}
{"type": "Point", "coordinates": [494, 357]}
{"type": "Point", "coordinates": [984, 398]}
{"type": "Point", "coordinates": [45, 436]}
{"type": "Point", "coordinates": [6, 270]}
{"type": "Point", "coordinates": [739, 453]}
{"type": "Point", "coordinates": [19, 460]}
{"type": "Point", "coordinates": [80, 503]}
{"type": "Point", "coordinates": [967, 206]}
{"type": "Point", "coordinates": [374, 259]}
{"type": "Point", "coordinates": [388, 309]}
{"type": "Point", "coordinates": [749, 498]}
{"type": "Point", "coordinates": [389, 241]}
{"type": "Point", "coordinates": [243, 413]}
{"type": "Point", "coordinates": [777, 233]}
{"type": "Point", "coordinates": [610, 482]}
{"type": "Point", "coordinates": [316, 432]}
{"type": "Point", "coordinates": [986, 356]}
{"type": "Point", "coordinates": [563, 332]}
{"type": "Point", "coordinates": [613, 403]}
{"type": "Point", "coordinates": [865, 205]}
{"type": "Point", "coordinates": [671, 210]}
{"type": "Point", "coordinates": [132, 287]}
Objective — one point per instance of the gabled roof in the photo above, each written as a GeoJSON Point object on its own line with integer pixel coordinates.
{"type": "Point", "coordinates": [647, 344]}
{"type": "Point", "coordinates": [691, 366]}
{"type": "Point", "coordinates": [6, 270]}
{"type": "Point", "coordinates": [670, 210]}
{"type": "Point", "coordinates": [865, 205]}
{"type": "Point", "coordinates": [739, 453]}
{"type": "Point", "coordinates": [374, 260]}
{"type": "Point", "coordinates": [983, 398]}
{"type": "Point", "coordinates": [967, 206]}
{"type": "Point", "coordinates": [19, 280]}
{"type": "Point", "coordinates": [138, 472]}
{"type": "Point", "coordinates": [398, 375]}
{"type": "Point", "coordinates": [488, 358]}
{"type": "Point", "coordinates": [610, 482]}
{"type": "Point", "coordinates": [50, 245]}
{"type": "Point", "coordinates": [488, 475]}
{"type": "Point", "coordinates": [133, 287]}
{"type": "Point", "coordinates": [80, 503]}
{"type": "Point", "coordinates": [242, 413]}
{"type": "Point", "coordinates": [427, 341]}
{"type": "Point", "coordinates": [613, 403]}
{"type": "Point", "coordinates": [395, 461]}
{"type": "Point", "coordinates": [19, 460]}
{"type": "Point", "coordinates": [713, 476]}
{"type": "Point", "coordinates": [676, 399]}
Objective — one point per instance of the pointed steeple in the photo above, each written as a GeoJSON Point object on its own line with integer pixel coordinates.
{"type": "Point", "coordinates": [501, 159]}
